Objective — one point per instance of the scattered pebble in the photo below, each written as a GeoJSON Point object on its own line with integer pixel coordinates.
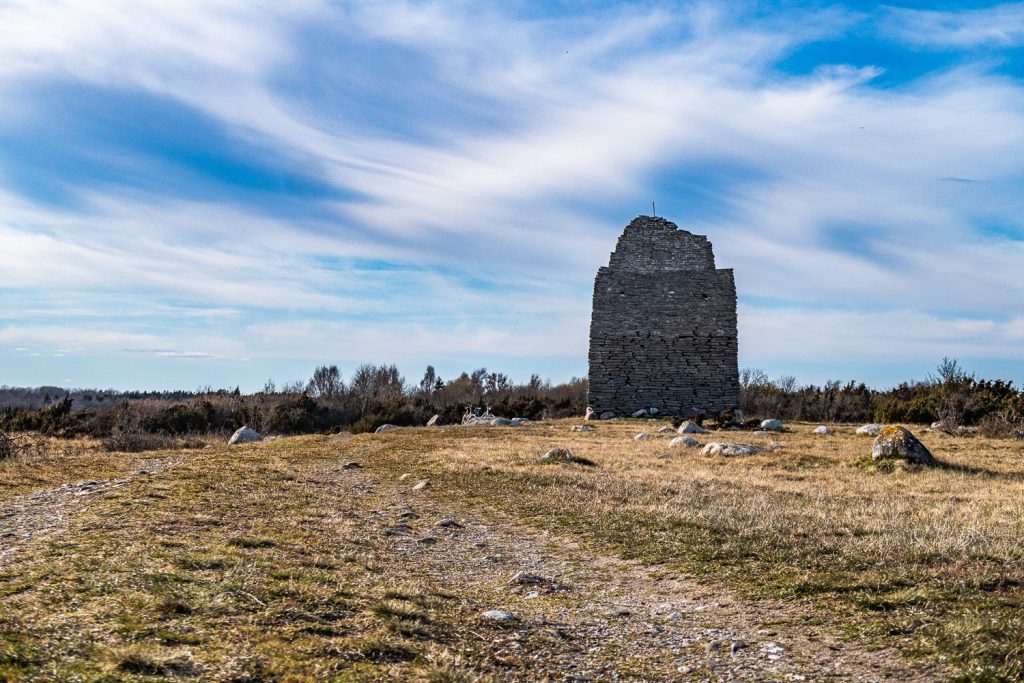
{"type": "Point", "coordinates": [352, 465]}
{"type": "Point", "coordinates": [421, 485]}
{"type": "Point", "coordinates": [664, 456]}
{"type": "Point", "coordinates": [620, 612]}
{"type": "Point", "coordinates": [426, 540]}
{"type": "Point", "coordinates": [405, 476]}
{"type": "Point", "coordinates": [449, 524]}
{"type": "Point", "coordinates": [525, 578]}
{"type": "Point", "coordinates": [499, 615]}
{"type": "Point", "coordinates": [736, 647]}
{"type": "Point", "coordinates": [714, 645]}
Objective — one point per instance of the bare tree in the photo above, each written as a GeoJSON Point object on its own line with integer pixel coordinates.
{"type": "Point", "coordinates": [325, 383]}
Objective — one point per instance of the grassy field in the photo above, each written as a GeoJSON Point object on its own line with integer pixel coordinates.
{"type": "Point", "coordinates": [275, 561]}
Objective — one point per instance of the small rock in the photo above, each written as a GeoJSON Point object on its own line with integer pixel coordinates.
{"type": "Point", "coordinates": [736, 647]}
{"type": "Point", "coordinates": [641, 437]}
{"type": "Point", "coordinates": [714, 645]}
{"type": "Point", "coordinates": [352, 465]}
{"type": "Point", "coordinates": [691, 428]}
{"type": "Point", "coordinates": [721, 448]}
{"type": "Point", "coordinates": [385, 428]}
{"type": "Point", "coordinates": [501, 422]}
{"type": "Point", "coordinates": [640, 413]}
{"type": "Point", "coordinates": [563, 454]}
{"type": "Point", "coordinates": [619, 612]}
{"type": "Point", "coordinates": [762, 432]}
{"type": "Point", "coordinates": [674, 616]}
{"type": "Point", "coordinates": [822, 429]}
{"type": "Point", "coordinates": [421, 485]}
{"type": "Point", "coordinates": [775, 445]}
{"type": "Point", "coordinates": [772, 426]}
{"type": "Point", "coordinates": [872, 429]}
{"type": "Point", "coordinates": [405, 476]}
{"type": "Point", "coordinates": [772, 651]}
{"type": "Point", "coordinates": [653, 411]}
{"type": "Point", "coordinates": [449, 524]}
{"type": "Point", "coordinates": [664, 456]}
{"type": "Point", "coordinates": [499, 615]}
{"type": "Point", "coordinates": [581, 428]}
{"type": "Point", "coordinates": [608, 415]}
{"type": "Point", "coordinates": [426, 540]}
{"type": "Point", "coordinates": [666, 430]}
{"type": "Point", "coordinates": [435, 421]}
{"type": "Point", "coordinates": [519, 421]}
{"type": "Point", "coordinates": [244, 435]}
{"type": "Point", "coordinates": [408, 514]}
{"type": "Point", "coordinates": [897, 442]}
{"type": "Point", "coordinates": [683, 441]}
{"type": "Point", "coordinates": [525, 578]}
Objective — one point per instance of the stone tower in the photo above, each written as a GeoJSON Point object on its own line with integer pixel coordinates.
{"type": "Point", "coordinates": [663, 331]}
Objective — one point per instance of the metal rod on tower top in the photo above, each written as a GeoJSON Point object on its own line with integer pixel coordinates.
{"type": "Point", "coordinates": [653, 212]}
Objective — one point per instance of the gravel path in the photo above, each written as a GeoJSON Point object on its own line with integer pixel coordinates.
{"type": "Point", "coordinates": [44, 513]}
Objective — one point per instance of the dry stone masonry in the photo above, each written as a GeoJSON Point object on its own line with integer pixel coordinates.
{"type": "Point", "coordinates": [663, 331]}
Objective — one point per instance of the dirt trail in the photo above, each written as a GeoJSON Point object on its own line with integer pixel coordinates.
{"type": "Point", "coordinates": [42, 514]}
{"type": "Point", "coordinates": [585, 616]}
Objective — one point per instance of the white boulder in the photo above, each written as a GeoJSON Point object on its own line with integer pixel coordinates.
{"type": "Point", "coordinates": [691, 428]}
{"type": "Point", "coordinates": [772, 426]}
{"type": "Point", "coordinates": [244, 435]}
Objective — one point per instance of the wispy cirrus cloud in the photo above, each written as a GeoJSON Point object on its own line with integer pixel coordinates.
{"type": "Point", "coordinates": [327, 181]}
{"type": "Point", "coordinates": [999, 25]}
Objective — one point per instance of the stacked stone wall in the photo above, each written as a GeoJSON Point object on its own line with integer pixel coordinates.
{"type": "Point", "coordinates": [663, 330]}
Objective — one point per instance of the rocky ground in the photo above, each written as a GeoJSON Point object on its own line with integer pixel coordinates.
{"type": "Point", "coordinates": [435, 585]}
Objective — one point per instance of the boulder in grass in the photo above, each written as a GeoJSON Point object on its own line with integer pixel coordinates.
{"type": "Point", "coordinates": [519, 421]}
{"type": "Point", "coordinates": [581, 428]}
{"type": "Point", "coordinates": [721, 448]}
{"type": "Point", "coordinates": [435, 421]}
{"type": "Point", "coordinates": [873, 429]}
{"type": "Point", "coordinates": [683, 441]}
{"type": "Point", "coordinates": [894, 441]}
{"type": "Point", "coordinates": [641, 437]}
{"type": "Point", "coordinates": [691, 428]}
{"type": "Point", "coordinates": [822, 429]}
{"type": "Point", "coordinates": [666, 430]}
{"type": "Point", "coordinates": [501, 422]}
{"type": "Point", "coordinates": [640, 413]}
{"type": "Point", "coordinates": [772, 426]}
{"type": "Point", "coordinates": [385, 428]}
{"type": "Point", "coordinates": [244, 435]}
{"type": "Point", "coordinates": [608, 415]}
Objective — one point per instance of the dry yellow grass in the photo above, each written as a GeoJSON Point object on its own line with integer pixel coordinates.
{"type": "Point", "coordinates": [267, 562]}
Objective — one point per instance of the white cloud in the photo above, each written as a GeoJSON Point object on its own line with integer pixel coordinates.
{"type": "Point", "coordinates": [1000, 25]}
{"type": "Point", "coordinates": [846, 205]}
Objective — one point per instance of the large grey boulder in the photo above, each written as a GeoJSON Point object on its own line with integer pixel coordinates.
{"type": "Point", "coordinates": [691, 428]}
{"type": "Point", "coordinates": [608, 415]}
{"type": "Point", "coordinates": [772, 426]}
{"type": "Point", "coordinates": [385, 428]}
{"type": "Point", "coordinates": [721, 448]}
{"type": "Point", "coordinates": [822, 429]}
{"type": "Point", "coordinates": [640, 413]}
{"type": "Point", "coordinates": [683, 441]}
{"type": "Point", "coordinates": [872, 429]}
{"type": "Point", "coordinates": [244, 435]}
{"type": "Point", "coordinates": [897, 442]}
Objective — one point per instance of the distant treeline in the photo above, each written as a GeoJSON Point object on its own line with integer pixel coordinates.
{"type": "Point", "coordinates": [375, 395]}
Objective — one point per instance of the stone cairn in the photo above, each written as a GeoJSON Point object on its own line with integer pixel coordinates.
{"type": "Point", "coordinates": [663, 330]}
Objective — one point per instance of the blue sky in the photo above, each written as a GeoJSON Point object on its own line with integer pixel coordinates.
{"type": "Point", "coordinates": [223, 192]}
